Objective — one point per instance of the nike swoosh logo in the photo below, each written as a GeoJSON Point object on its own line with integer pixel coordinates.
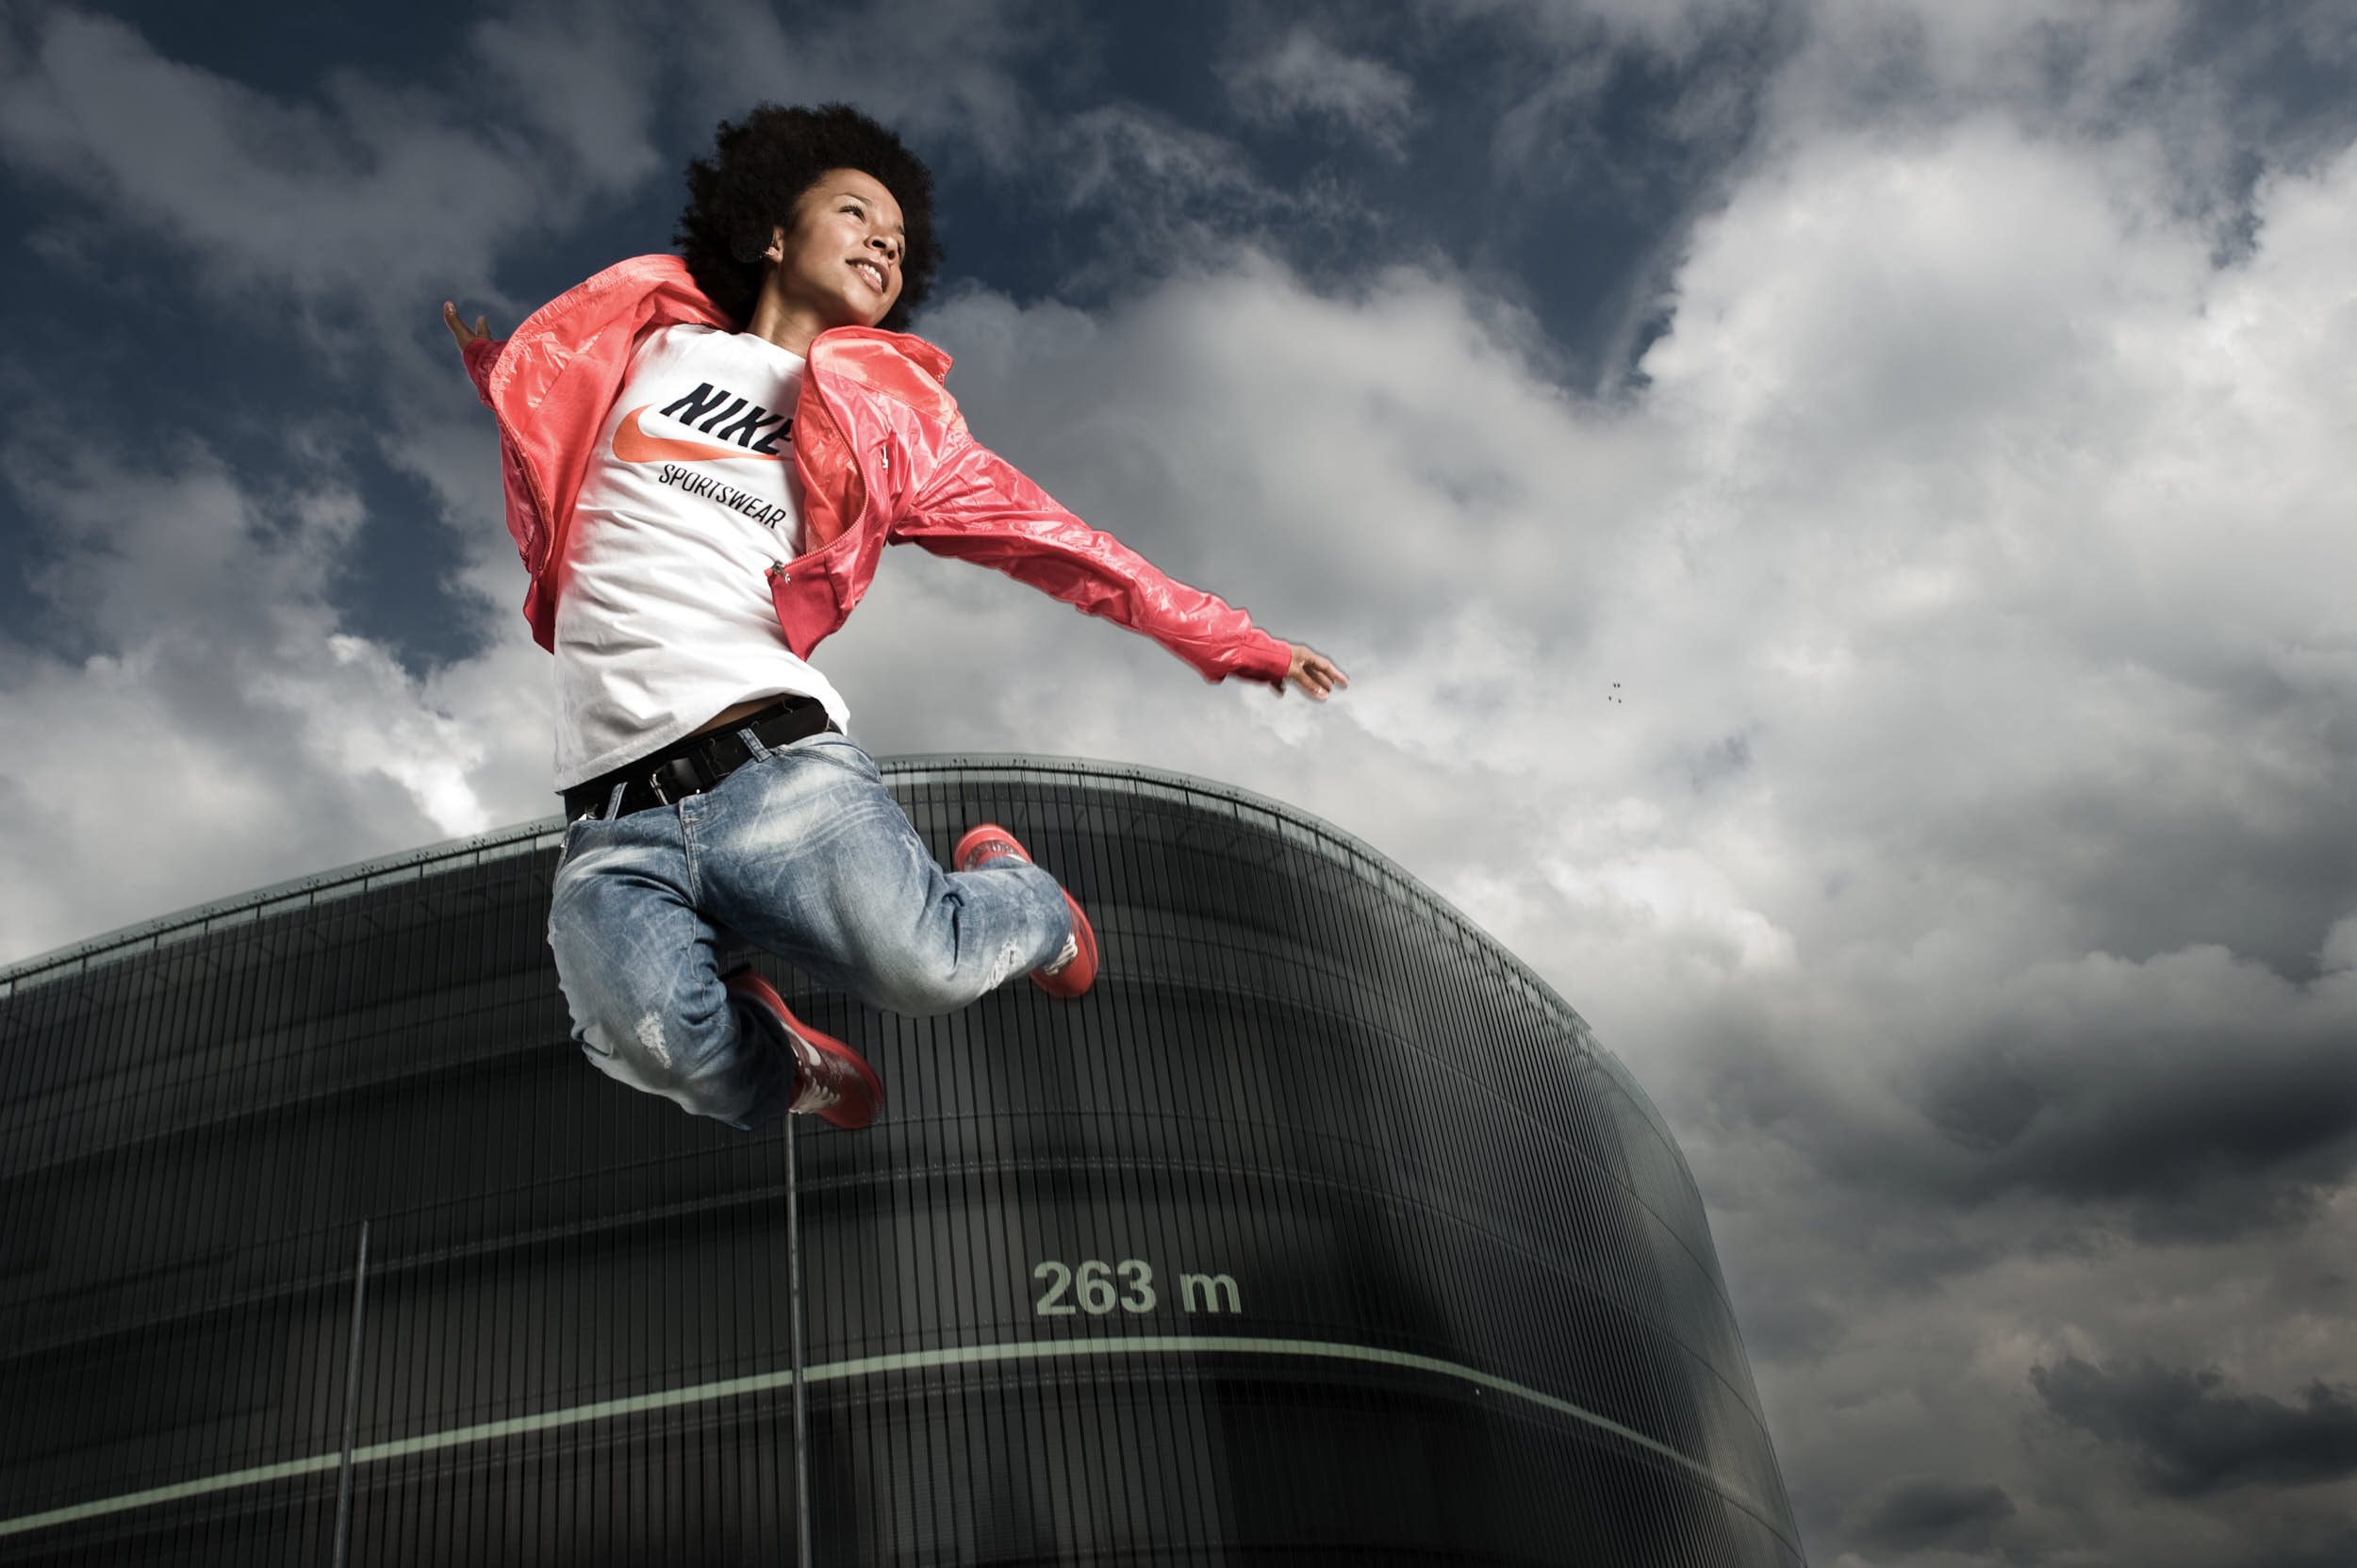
{"type": "Point", "coordinates": [634, 445]}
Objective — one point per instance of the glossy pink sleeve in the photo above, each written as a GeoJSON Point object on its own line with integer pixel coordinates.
{"type": "Point", "coordinates": [524, 524]}
{"type": "Point", "coordinates": [481, 355]}
{"type": "Point", "coordinates": [976, 506]}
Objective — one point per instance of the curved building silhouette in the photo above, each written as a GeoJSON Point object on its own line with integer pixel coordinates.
{"type": "Point", "coordinates": [1320, 1232]}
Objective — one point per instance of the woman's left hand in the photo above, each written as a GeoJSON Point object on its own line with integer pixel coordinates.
{"type": "Point", "coordinates": [1313, 672]}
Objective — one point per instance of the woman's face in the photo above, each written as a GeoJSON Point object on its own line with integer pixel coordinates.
{"type": "Point", "coordinates": [841, 260]}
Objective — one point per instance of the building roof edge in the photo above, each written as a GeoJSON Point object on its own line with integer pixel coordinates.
{"type": "Point", "coordinates": [499, 843]}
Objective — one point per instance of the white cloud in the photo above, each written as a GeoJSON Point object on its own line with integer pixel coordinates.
{"type": "Point", "coordinates": [222, 731]}
{"type": "Point", "coordinates": [1935, 532]}
{"type": "Point", "coordinates": [2025, 517]}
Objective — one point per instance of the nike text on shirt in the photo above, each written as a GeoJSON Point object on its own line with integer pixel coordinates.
{"type": "Point", "coordinates": [747, 418]}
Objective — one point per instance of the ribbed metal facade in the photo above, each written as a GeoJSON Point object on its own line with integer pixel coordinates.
{"type": "Point", "coordinates": [1320, 1232]}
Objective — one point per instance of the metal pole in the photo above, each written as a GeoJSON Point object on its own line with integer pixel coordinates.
{"type": "Point", "coordinates": [352, 1399]}
{"type": "Point", "coordinates": [794, 1295]}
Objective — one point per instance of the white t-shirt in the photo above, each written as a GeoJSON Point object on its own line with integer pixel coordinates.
{"type": "Point", "coordinates": [663, 611]}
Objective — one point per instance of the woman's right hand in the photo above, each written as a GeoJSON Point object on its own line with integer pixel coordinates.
{"type": "Point", "coordinates": [460, 330]}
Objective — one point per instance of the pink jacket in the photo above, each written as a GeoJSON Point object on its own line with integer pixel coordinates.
{"type": "Point", "coordinates": [884, 458]}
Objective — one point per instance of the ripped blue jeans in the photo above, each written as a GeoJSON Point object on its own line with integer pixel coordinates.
{"type": "Point", "coordinates": [801, 852]}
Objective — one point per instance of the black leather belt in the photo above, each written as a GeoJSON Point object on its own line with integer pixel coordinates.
{"type": "Point", "coordinates": [698, 763]}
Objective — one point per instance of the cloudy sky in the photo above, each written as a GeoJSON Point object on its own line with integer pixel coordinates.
{"type": "Point", "coordinates": [1829, 506]}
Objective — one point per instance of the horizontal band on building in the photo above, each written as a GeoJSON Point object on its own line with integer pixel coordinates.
{"type": "Point", "coordinates": [867, 1366]}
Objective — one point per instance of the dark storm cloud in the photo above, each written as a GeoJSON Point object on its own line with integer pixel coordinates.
{"type": "Point", "coordinates": [2193, 1435]}
{"type": "Point", "coordinates": [1926, 1512]}
{"type": "Point", "coordinates": [1301, 78]}
{"type": "Point", "coordinates": [2201, 1124]}
{"type": "Point", "coordinates": [1680, 81]}
{"type": "Point", "coordinates": [2321, 1548]}
{"type": "Point", "coordinates": [348, 200]}
{"type": "Point", "coordinates": [1169, 195]}
{"type": "Point", "coordinates": [2194, 1096]}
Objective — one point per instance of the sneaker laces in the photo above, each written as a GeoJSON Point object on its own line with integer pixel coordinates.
{"type": "Point", "coordinates": [1063, 959]}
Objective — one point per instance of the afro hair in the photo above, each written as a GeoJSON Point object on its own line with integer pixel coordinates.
{"type": "Point", "coordinates": [760, 168]}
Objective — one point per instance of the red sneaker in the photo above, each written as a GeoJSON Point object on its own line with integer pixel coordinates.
{"type": "Point", "coordinates": [1073, 970]}
{"type": "Point", "coordinates": [831, 1079]}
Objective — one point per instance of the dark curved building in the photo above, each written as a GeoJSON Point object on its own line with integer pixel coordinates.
{"type": "Point", "coordinates": [1320, 1232]}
